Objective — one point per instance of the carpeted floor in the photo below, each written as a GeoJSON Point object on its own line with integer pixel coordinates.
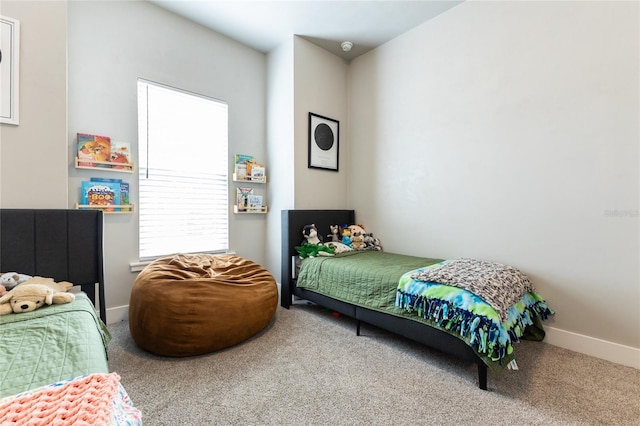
{"type": "Point", "coordinates": [308, 367]}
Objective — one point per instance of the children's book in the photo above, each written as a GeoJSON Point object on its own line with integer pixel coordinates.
{"type": "Point", "coordinates": [256, 171]}
{"type": "Point", "coordinates": [93, 148]}
{"type": "Point", "coordinates": [104, 194]}
{"type": "Point", "coordinates": [124, 189]}
{"type": "Point", "coordinates": [255, 202]}
{"type": "Point", "coordinates": [120, 154]}
{"type": "Point", "coordinates": [242, 197]}
{"type": "Point", "coordinates": [241, 165]}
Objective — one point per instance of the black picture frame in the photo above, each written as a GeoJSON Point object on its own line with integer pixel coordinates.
{"type": "Point", "coordinates": [324, 142]}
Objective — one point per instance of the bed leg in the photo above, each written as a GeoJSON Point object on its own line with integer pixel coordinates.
{"type": "Point", "coordinates": [357, 327]}
{"type": "Point", "coordinates": [482, 376]}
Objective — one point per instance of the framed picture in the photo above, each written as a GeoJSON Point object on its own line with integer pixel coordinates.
{"type": "Point", "coordinates": [323, 142]}
{"type": "Point", "coordinates": [9, 75]}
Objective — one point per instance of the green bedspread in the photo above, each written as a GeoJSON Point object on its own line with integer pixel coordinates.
{"type": "Point", "coordinates": [51, 344]}
{"type": "Point", "coordinates": [363, 278]}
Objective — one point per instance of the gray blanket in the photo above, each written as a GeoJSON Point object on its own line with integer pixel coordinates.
{"type": "Point", "coordinates": [499, 285]}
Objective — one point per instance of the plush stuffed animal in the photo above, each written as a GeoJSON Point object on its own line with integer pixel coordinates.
{"type": "Point", "coordinates": [3, 290]}
{"type": "Point", "coordinates": [313, 250]}
{"type": "Point", "coordinates": [357, 242]}
{"type": "Point", "coordinates": [371, 242]}
{"type": "Point", "coordinates": [35, 293]}
{"type": "Point", "coordinates": [11, 279]}
{"type": "Point", "coordinates": [346, 237]}
{"type": "Point", "coordinates": [310, 233]}
{"type": "Point", "coordinates": [335, 232]}
{"type": "Point", "coordinates": [338, 247]}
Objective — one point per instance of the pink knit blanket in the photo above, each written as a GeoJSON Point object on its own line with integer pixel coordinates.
{"type": "Point", "coordinates": [86, 400]}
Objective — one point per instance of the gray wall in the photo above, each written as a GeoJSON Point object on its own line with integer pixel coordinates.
{"type": "Point", "coordinates": [33, 155]}
{"type": "Point", "coordinates": [508, 131]}
{"type": "Point", "coordinates": [138, 39]}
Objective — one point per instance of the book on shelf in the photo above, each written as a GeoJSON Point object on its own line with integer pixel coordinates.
{"type": "Point", "coordinates": [240, 167]}
{"type": "Point", "coordinates": [93, 148]}
{"type": "Point", "coordinates": [255, 171]}
{"type": "Point", "coordinates": [101, 151]}
{"type": "Point", "coordinates": [242, 197]}
{"type": "Point", "coordinates": [124, 189]}
{"type": "Point", "coordinates": [120, 154]}
{"type": "Point", "coordinates": [255, 202]}
{"type": "Point", "coordinates": [103, 194]}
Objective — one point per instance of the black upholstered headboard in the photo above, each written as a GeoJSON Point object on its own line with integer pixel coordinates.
{"type": "Point", "coordinates": [292, 223]}
{"type": "Point", "coordinates": [65, 245]}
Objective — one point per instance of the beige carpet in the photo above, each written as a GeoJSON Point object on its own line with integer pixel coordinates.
{"type": "Point", "coordinates": [309, 368]}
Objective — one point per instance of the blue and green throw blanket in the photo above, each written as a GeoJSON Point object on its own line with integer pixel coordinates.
{"type": "Point", "coordinates": [462, 312]}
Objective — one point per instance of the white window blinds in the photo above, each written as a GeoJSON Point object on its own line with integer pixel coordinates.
{"type": "Point", "coordinates": [183, 190]}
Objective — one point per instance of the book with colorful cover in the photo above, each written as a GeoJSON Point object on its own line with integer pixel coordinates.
{"type": "Point", "coordinates": [241, 165]}
{"type": "Point", "coordinates": [93, 148]}
{"type": "Point", "coordinates": [242, 197]}
{"type": "Point", "coordinates": [120, 154]}
{"type": "Point", "coordinates": [256, 171]}
{"type": "Point", "coordinates": [124, 189]}
{"type": "Point", "coordinates": [103, 194]}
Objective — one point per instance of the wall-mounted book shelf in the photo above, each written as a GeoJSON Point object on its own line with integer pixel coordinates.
{"type": "Point", "coordinates": [250, 179]}
{"type": "Point", "coordinates": [108, 166]}
{"type": "Point", "coordinates": [259, 210]}
{"type": "Point", "coordinates": [121, 208]}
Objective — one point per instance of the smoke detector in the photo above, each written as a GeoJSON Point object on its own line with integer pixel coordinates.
{"type": "Point", "coordinates": [346, 46]}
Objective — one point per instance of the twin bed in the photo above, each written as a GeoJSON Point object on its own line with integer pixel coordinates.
{"type": "Point", "coordinates": [396, 293]}
{"type": "Point", "coordinates": [54, 359]}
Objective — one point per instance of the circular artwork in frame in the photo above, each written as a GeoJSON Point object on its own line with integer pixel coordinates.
{"type": "Point", "coordinates": [323, 142]}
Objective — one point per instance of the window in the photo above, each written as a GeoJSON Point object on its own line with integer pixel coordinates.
{"type": "Point", "coordinates": [183, 191]}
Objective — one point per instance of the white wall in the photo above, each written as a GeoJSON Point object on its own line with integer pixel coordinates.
{"type": "Point", "coordinates": [280, 148]}
{"type": "Point", "coordinates": [111, 44]}
{"type": "Point", "coordinates": [320, 86]}
{"type": "Point", "coordinates": [508, 131]}
{"type": "Point", "coordinates": [33, 155]}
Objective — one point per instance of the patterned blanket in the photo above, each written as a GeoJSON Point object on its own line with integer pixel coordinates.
{"type": "Point", "coordinates": [499, 285]}
{"type": "Point", "coordinates": [466, 314]}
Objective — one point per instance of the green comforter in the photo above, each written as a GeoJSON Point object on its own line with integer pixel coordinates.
{"type": "Point", "coordinates": [51, 344]}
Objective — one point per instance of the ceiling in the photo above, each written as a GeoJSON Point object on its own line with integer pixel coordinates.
{"type": "Point", "coordinates": [264, 25]}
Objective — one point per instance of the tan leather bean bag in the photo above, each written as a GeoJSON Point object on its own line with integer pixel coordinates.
{"type": "Point", "coordinates": [193, 304]}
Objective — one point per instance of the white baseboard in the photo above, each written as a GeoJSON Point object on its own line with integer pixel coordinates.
{"type": "Point", "coordinates": [117, 314]}
{"type": "Point", "coordinates": [614, 352]}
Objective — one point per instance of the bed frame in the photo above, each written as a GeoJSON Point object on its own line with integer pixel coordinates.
{"type": "Point", "coordinates": [292, 223]}
{"type": "Point", "coordinates": [65, 245]}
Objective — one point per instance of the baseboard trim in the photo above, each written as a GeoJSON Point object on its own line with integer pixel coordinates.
{"type": "Point", "coordinates": [117, 314]}
{"type": "Point", "coordinates": [603, 349]}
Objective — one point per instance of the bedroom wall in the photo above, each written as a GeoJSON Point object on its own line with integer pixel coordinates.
{"type": "Point", "coordinates": [508, 131]}
{"type": "Point", "coordinates": [38, 143]}
{"type": "Point", "coordinates": [111, 44]}
{"type": "Point", "coordinates": [280, 148]}
{"type": "Point", "coordinates": [320, 86]}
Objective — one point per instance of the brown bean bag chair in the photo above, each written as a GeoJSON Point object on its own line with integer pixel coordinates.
{"type": "Point", "coordinates": [193, 304]}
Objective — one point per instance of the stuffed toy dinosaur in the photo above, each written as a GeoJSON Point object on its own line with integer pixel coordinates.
{"type": "Point", "coordinates": [35, 293]}
{"type": "Point", "coordinates": [313, 250]}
